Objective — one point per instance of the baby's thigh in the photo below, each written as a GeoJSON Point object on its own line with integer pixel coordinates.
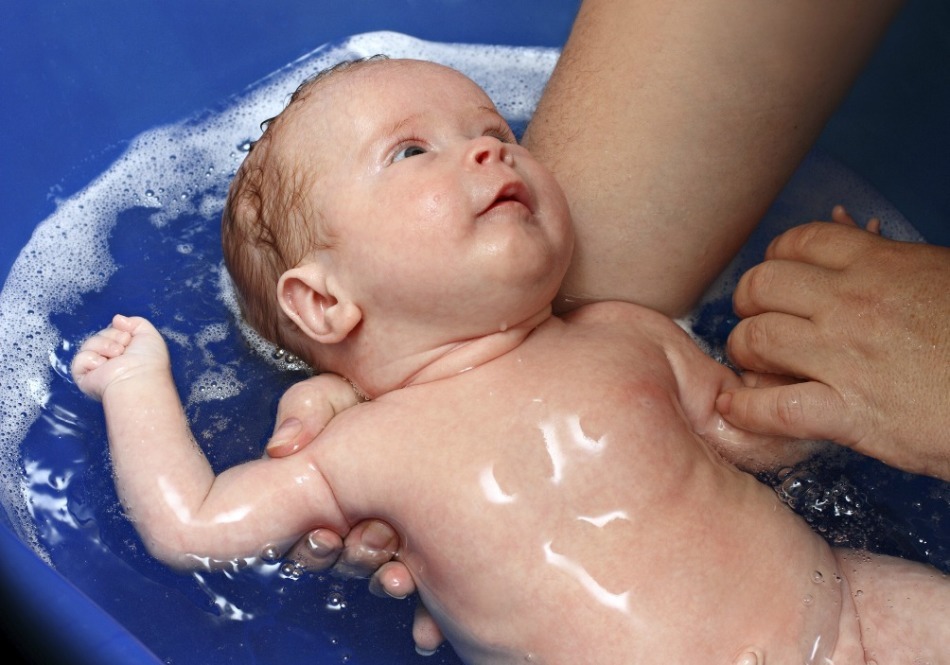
{"type": "Point", "coordinates": [902, 608]}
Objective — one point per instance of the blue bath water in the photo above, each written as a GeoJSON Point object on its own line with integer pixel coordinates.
{"type": "Point", "coordinates": [142, 238]}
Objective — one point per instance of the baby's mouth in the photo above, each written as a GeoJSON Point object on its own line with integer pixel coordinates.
{"type": "Point", "coordinates": [514, 192]}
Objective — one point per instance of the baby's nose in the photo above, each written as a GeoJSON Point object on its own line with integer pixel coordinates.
{"type": "Point", "coordinates": [487, 149]}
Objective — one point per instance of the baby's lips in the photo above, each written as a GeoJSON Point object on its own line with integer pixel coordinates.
{"type": "Point", "coordinates": [511, 190]}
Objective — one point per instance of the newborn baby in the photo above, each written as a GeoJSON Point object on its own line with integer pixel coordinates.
{"type": "Point", "coordinates": [387, 228]}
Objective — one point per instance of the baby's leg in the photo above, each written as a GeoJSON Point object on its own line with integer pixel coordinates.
{"type": "Point", "coordinates": [903, 608]}
{"type": "Point", "coordinates": [125, 350]}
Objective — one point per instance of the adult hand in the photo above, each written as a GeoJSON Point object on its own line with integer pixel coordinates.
{"type": "Point", "coordinates": [370, 547]}
{"type": "Point", "coordinates": [865, 323]}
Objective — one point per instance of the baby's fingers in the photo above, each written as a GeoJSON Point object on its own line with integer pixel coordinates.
{"type": "Point", "coordinates": [108, 343]}
{"type": "Point", "coordinates": [83, 363]}
{"type": "Point", "coordinates": [96, 351]}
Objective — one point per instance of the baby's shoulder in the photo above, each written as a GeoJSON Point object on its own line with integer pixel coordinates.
{"type": "Point", "coordinates": [624, 318]}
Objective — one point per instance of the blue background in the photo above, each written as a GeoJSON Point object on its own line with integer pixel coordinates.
{"type": "Point", "coordinates": [79, 79]}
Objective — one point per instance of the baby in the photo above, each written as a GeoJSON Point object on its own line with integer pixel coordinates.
{"type": "Point", "coordinates": [387, 228]}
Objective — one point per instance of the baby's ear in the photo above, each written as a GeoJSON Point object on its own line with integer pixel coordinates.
{"type": "Point", "coordinates": [307, 297]}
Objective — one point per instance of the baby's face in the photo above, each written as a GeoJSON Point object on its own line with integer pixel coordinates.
{"type": "Point", "coordinates": [427, 200]}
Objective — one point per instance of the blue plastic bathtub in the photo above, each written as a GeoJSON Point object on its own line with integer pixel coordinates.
{"type": "Point", "coordinates": [81, 80]}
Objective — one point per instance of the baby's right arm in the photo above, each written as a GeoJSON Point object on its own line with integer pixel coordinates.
{"type": "Point", "coordinates": [182, 511]}
{"type": "Point", "coordinates": [368, 550]}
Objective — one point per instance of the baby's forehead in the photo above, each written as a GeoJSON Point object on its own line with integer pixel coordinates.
{"type": "Point", "coordinates": [385, 78]}
{"type": "Point", "coordinates": [378, 88]}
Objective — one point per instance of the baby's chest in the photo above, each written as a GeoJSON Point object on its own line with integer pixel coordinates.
{"type": "Point", "coordinates": [539, 443]}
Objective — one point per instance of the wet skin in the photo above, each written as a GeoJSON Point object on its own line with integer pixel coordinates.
{"type": "Point", "coordinates": [597, 500]}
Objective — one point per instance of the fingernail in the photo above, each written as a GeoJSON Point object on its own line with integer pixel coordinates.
{"type": "Point", "coordinates": [318, 547]}
{"type": "Point", "coordinates": [425, 652]}
{"type": "Point", "coordinates": [724, 403]}
{"type": "Point", "coordinates": [394, 589]}
{"type": "Point", "coordinates": [287, 431]}
{"type": "Point", "coordinates": [377, 536]}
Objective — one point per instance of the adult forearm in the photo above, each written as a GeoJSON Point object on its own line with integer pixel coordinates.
{"type": "Point", "coordinates": [673, 126]}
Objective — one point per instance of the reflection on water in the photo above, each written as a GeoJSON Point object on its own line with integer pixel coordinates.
{"type": "Point", "coordinates": [143, 239]}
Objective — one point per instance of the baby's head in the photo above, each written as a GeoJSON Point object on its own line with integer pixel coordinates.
{"type": "Point", "coordinates": [268, 226]}
{"type": "Point", "coordinates": [390, 203]}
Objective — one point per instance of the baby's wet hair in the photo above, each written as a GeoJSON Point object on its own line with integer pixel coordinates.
{"type": "Point", "coordinates": [312, 81]}
{"type": "Point", "coordinates": [267, 226]}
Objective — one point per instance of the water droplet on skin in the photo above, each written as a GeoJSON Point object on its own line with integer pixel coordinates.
{"type": "Point", "coordinates": [808, 599]}
{"type": "Point", "coordinates": [270, 554]}
{"type": "Point", "coordinates": [817, 577]}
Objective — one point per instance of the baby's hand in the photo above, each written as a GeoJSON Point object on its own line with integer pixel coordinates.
{"type": "Point", "coordinates": [126, 349]}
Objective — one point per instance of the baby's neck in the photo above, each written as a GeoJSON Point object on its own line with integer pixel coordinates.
{"type": "Point", "coordinates": [448, 360]}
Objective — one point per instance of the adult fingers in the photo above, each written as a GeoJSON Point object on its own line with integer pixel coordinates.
{"type": "Point", "coordinates": [425, 632]}
{"type": "Point", "coordinates": [791, 287]}
{"type": "Point", "coordinates": [775, 343]}
{"type": "Point", "coordinates": [394, 580]}
{"type": "Point", "coordinates": [808, 410]}
{"type": "Point", "coordinates": [821, 244]}
{"type": "Point", "coordinates": [302, 413]}
{"type": "Point", "coordinates": [369, 545]}
{"type": "Point", "coordinates": [316, 551]}
{"type": "Point", "coordinates": [762, 380]}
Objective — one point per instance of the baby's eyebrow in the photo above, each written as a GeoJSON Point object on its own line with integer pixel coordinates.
{"type": "Point", "coordinates": [491, 110]}
{"type": "Point", "coordinates": [397, 127]}
{"type": "Point", "coordinates": [387, 131]}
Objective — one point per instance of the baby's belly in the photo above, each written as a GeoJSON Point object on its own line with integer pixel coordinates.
{"type": "Point", "coordinates": [705, 568]}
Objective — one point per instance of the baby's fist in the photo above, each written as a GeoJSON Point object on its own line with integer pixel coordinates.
{"type": "Point", "coordinates": [115, 353]}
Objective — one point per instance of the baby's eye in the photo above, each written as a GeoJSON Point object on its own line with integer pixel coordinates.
{"type": "Point", "coordinates": [502, 132]}
{"type": "Point", "coordinates": [408, 151]}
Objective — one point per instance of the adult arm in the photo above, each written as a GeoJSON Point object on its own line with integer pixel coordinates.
{"type": "Point", "coordinates": [865, 322]}
{"type": "Point", "coordinates": [673, 126]}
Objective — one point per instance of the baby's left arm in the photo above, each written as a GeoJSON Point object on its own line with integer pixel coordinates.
{"type": "Point", "coordinates": [183, 512]}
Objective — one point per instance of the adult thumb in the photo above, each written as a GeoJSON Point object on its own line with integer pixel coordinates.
{"type": "Point", "coordinates": [808, 410]}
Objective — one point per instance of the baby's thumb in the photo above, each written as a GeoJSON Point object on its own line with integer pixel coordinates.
{"type": "Point", "coordinates": [807, 410]}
